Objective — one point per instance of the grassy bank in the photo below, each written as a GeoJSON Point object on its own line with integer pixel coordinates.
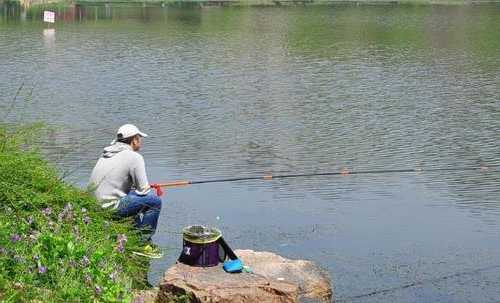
{"type": "Point", "coordinates": [56, 243]}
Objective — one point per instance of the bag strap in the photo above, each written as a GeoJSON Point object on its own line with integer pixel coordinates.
{"type": "Point", "coordinates": [230, 253]}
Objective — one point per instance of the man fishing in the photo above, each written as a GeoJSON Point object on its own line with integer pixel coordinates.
{"type": "Point", "coordinates": [120, 182]}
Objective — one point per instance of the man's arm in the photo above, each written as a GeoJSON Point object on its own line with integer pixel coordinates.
{"type": "Point", "coordinates": [139, 178]}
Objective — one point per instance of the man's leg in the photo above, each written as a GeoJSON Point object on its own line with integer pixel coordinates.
{"type": "Point", "coordinates": [146, 210]}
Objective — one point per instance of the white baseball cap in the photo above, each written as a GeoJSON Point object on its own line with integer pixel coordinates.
{"type": "Point", "coordinates": [127, 131]}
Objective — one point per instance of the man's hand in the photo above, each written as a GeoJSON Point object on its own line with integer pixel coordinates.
{"type": "Point", "coordinates": [157, 187]}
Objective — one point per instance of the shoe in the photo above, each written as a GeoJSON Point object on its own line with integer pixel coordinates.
{"type": "Point", "coordinates": [150, 251]}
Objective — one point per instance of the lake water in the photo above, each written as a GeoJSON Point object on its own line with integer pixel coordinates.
{"type": "Point", "coordinates": [226, 92]}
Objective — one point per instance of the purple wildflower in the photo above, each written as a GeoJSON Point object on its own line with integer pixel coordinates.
{"type": "Point", "coordinates": [120, 248]}
{"type": "Point", "coordinates": [87, 278]}
{"type": "Point", "coordinates": [34, 235]}
{"type": "Point", "coordinates": [86, 220]}
{"type": "Point", "coordinates": [15, 237]}
{"type": "Point", "coordinates": [121, 240]}
{"type": "Point", "coordinates": [42, 269]}
{"type": "Point", "coordinates": [113, 276]}
{"type": "Point", "coordinates": [85, 261]}
{"type": "Point", "coordinates": [30, 220]}
{"type": "Point", "coordinates": [47, 211]}
{"type": "Point", "coordinates": [98, 290]}
{"type": "Point", "coordinates": [66, 212]}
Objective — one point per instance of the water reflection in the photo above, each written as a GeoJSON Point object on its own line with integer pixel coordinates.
{"type": "Point", "coordinates": [49, 37]}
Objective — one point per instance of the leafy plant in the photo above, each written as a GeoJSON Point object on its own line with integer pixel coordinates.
{"type": "Point", "coordinates": [56, 243]}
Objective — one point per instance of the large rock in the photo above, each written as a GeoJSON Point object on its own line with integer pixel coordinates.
{"type": "Point", "coordinates": [274, 279]}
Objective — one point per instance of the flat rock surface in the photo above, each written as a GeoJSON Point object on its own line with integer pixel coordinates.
{"type": "Point", "coordinates": [312, 281]}
{"type": "Point", "coordinates": [274, 279]}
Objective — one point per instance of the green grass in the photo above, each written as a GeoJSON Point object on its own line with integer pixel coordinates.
{"type": "Point", "coordinates": [56, 243]}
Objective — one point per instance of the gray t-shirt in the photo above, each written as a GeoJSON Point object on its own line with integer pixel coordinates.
{"type": "Point", "coordinates": [119, 170]}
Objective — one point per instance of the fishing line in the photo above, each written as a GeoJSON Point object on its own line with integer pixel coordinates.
{"type": "Point", "coordinates": [422, 282]}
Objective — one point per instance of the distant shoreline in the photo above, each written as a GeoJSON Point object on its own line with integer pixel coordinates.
{"type": "Point", "coordinates": [28, 3]}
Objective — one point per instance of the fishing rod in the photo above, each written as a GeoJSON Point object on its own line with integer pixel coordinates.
{"type": "Point", "coordinates": [342, 172]}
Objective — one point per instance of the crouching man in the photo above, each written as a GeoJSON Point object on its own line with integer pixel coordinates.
{"type": "Point", "coordinates": [120, 181]}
